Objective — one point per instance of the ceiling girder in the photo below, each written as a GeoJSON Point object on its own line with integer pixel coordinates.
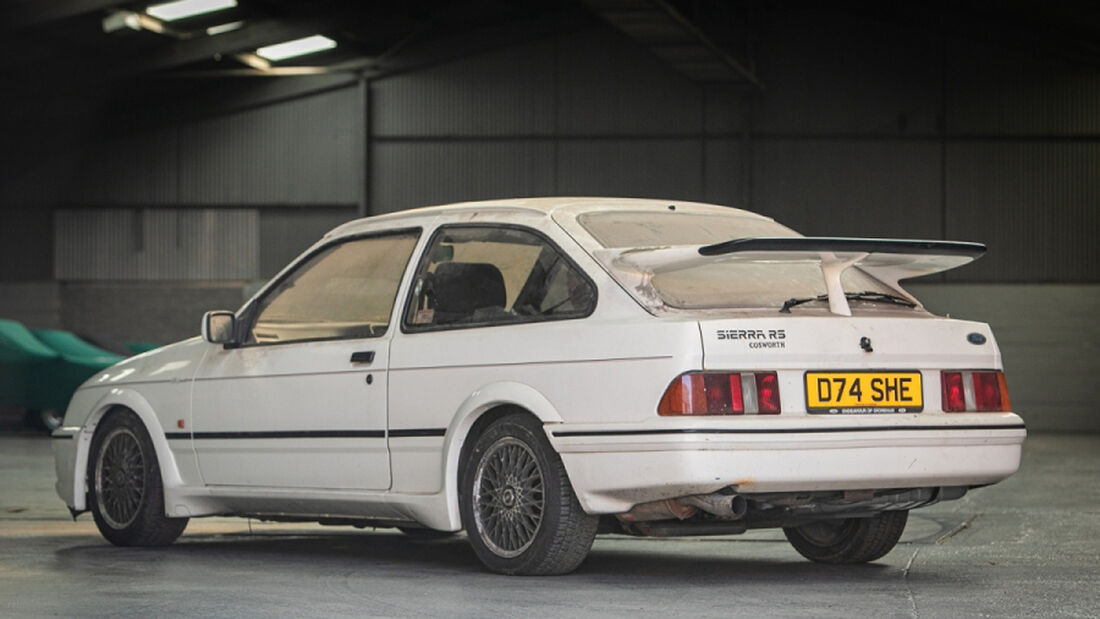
{"type": "Point", "coordinates": [251, 36]}
{"type": "Point", "coordinates": [29, 13]}
{"type": "Point", "coordinates": [657, 25]}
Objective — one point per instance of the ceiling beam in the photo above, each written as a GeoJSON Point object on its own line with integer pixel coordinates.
{"type": "Point", "coordinates": [28, 13]}
{"type": "Point", "coordinates": [248, 38]}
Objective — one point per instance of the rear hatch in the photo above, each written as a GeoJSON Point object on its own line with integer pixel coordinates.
{"type": "Point", "coordinates": [862, 364]}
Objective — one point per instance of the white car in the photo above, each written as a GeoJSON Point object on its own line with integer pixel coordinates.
{"type": "Point", "coordinates": [539, 371]}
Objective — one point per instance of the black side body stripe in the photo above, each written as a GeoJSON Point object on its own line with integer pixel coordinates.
{"type": "Point", "coordinates": [674, 431]}
{"type": "Point", "coordinates": [306, 434]}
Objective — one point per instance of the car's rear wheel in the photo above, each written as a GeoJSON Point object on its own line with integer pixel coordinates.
{"type": "Point", "coordinates": [517, 504]}
{"type": "Point", "coordinates": [849, 540]}
{"type": "Point", "coordinates": [125, 490]}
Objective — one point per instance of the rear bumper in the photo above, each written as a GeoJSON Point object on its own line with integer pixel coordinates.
{"type": "Point", "coordinates": [613, 468]}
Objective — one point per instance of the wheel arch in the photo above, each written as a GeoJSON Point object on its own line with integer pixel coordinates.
{"type": "Point", "coordinates": [480, 409]}
{"type": "Point", "coordinates": [123, 400]}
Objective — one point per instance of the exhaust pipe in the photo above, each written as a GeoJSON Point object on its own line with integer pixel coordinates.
{"type": "Point", "coordinates": [724, 506]}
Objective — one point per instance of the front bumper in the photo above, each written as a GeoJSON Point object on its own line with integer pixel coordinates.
{"type": "Point", "coordinates": [66, 444]}
{"type": "Point", "coordinates": [614, 467]}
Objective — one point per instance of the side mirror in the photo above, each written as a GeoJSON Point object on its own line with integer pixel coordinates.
{"type": "Point", "coordinates": [218, 327]}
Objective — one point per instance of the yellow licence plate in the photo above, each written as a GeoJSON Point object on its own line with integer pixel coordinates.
{"type": "Point", "coordinates": [864, 392]}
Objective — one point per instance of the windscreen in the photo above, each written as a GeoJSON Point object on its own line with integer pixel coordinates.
{"type": "Point", "coordinates": [733, 284]}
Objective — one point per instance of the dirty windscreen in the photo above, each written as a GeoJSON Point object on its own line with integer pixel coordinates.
{"type": "Point", "coordinates": [734, 284]}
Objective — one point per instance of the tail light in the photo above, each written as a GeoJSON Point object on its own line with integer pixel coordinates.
{"type": "Point", "coordinates": [721, 393]}
{"type": "Point", "coordinates": [974, 392]}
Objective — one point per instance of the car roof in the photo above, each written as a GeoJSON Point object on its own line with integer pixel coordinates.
{"type": "Point", "coordinates": [517, 209]}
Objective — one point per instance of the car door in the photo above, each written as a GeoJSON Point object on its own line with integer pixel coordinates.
{"type": "Point", "coordinates": [301, 401]}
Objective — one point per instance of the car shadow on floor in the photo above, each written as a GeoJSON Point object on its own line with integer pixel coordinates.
{"type": "Point", "coordinates": [613, 559]}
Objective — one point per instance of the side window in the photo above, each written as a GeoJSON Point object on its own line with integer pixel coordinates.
{"type": "Point", "coordinates": [345, 291]}
{"type": "Point", "coordinates": [489, 276]}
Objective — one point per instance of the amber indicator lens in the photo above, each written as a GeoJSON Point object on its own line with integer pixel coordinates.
{"type": "Point", "coordinates": [721, 393]}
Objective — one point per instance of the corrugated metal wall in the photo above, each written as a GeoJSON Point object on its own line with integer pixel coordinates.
{"type": "Point", "coordinates": [305, 151]}
{"type": "Point", "coordinates": [585, 114]}
{"type": "Point", "coordinates": [156, 244]}
{"type": "Point", "coordinates": [285, 233]}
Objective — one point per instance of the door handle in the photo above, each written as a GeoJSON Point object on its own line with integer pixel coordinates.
{"type": "Point", "coordinates": [363, 356]}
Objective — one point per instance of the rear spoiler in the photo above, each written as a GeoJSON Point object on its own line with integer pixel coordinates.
{"type": "Point", "coordinates": [889, 260]}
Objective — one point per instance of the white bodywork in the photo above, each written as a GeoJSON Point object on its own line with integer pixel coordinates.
{"type": "Point", "coordinates": [390, 449]}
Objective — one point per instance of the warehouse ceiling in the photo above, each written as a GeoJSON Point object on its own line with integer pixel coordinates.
{"type": "Point", "coordinates": [707, 40]}
{"type": "Point", "coordinates": [62, 58]}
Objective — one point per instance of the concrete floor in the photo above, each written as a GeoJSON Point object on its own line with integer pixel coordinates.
{"type": "Point", "coordinates": [1027, 547]}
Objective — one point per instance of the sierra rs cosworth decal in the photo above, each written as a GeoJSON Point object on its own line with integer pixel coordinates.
{"type": "Point", "coordinates": [755, 338]}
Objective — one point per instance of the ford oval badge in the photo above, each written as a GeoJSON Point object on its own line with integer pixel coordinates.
{"type": "Point", "coordinates": [976, 338]}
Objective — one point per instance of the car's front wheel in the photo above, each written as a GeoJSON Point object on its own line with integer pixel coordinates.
{"type": "Point", "coordinates": [125, 490]}
{"type": "Point", "coordinates": [849, 540]}
{"type": "Point", "coordinates": [518, 507]}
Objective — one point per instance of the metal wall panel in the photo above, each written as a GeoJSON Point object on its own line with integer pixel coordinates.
{"type": "Point", "coordinates": [726, 112]}
{"type": "Point", "coordinates": [996, 92]}
{"type": "Point", "coordinates": [661, 168]}
{"type": "Point", "coordinates": [140, 169]}
{"type": "Point", "coordinates": [156, 244]}
{"type": "Point", "coordinates": [285, 233]}
{"type": "Point", "coordinates": [609, 84]}
{"type": "Point", "coordinates": [1033, 203]}
{"type": "Point", "coordinates": [304, 151]}
{"type": "Point", "coordinates": [850, 187]}
{"type": "Point", "coordinates": [25, 250]}
{"type": "Point", "coordinates": [505, 92]}
{"type": "Point", "coordinates": [725, 173]}
{"type": "Point", "coordinates": [410, 174]}
{"type": "Point", "coordinates": [157, 312]}
{"type": "Point", "coordinates": [825, 73]}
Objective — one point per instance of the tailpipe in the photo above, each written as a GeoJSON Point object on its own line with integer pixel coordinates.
{"type": "Point", "coordinates": [725, 506]}
{"type": "Point", "coordinates": [722, 506]}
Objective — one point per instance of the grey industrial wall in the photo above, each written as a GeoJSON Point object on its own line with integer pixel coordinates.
{"type": "Point", "coordinates": [862, 129]}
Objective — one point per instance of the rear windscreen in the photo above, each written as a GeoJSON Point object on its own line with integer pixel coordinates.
{"type": "Point", "coordinates": [732, 284]}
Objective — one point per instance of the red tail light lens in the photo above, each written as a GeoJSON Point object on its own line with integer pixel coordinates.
{"type": "Point", "coordinates": [987, 393]}
{"type": "Point", "coordinates": [767, 393]}
{"type": "Point", "coordinates": [974, 392]}
{"type": "Point", "coordinates": [720, 393]}
{"type": "Point", "coordinates": [954, 399]}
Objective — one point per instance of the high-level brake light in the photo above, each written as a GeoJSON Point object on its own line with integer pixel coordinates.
{"type": "Point", "coordinates": [974, 392]}
{"type": "Point", "coordinates": [721, 393]}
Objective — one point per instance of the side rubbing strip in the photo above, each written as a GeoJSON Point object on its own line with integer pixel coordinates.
{"type": "Point", "coordinates": [418, 432]}
{"type": "Point", "coordinates": [200, 436]}
{"type": "Point", "coordinates": [410, 432]}
{"type": "Point", "coordinates": [675, 431]}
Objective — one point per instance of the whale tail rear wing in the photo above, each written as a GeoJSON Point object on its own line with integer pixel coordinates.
{"type": "Point", "coordinates": [888, 260]}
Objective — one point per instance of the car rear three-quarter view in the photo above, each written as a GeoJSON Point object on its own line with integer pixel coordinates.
{"type": "Point", "coordinates": [539, 371]}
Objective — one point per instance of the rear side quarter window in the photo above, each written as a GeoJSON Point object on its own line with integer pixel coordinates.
{"type": "Point", "coordinates": [473, 276]}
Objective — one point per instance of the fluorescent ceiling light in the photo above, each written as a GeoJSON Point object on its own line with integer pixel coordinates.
{"type": "Point", "coordinates": [223, 28]}
{"type": "Point", "coordinates": [171, 11]}
{"type": "Point", "coordinates": [297, 47]}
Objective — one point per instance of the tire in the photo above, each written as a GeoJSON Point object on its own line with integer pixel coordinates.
{"type": "Point", "coordinates": [517, 505]}
{"type": "Point", "coordinates": [851, 540]}
{"type": "Point", "coordinates": [124, 485]}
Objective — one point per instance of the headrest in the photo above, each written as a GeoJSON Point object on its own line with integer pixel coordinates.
{"type": "Point", "coordinates": [462, 287]}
